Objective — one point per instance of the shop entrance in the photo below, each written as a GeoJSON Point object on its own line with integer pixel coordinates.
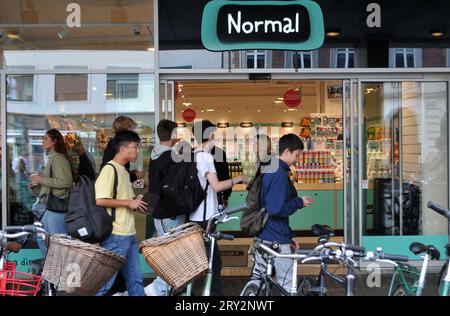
{"type": "Point", "coordinates": [390, 137]}
{"type": "Point", "coordinates": [311, 109]}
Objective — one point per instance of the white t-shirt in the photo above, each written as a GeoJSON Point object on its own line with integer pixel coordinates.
{"type": "Point", "coordinates": [205, 164]}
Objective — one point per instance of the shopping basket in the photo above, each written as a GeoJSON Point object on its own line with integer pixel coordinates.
{"type": "Point", "coordinates": [179, 256]}
{"type": "Point", "coordinates": [15, 283]}
{"type": "Point", "coordinates": [79, 268]}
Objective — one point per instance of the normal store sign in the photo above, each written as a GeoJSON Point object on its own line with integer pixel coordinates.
{"type": "Point", "coordinates": [284, 25]}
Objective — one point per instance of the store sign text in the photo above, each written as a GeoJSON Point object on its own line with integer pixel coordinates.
{"type": "Point", "coordinates": [269, 23]}
{"type": "Point", "coordinates": [284, 25]}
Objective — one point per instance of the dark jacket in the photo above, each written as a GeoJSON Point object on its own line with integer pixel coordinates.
{"type": "Point", "coordinates": [279, 197]}
{"type": "Point", "coordinates": [223, 172]}
{"type": "Point", "coordinates": [85, 167]}
{"type": "Point", "coordinates": [161, 161]}
{"type": "Point", "coordinates": [109, 154]}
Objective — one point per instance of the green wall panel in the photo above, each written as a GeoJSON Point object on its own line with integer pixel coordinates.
{"type": "Point", "coordinates": [320, 212]}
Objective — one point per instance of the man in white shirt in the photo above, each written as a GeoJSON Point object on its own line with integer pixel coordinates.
{"type": "Point", "coordinates": [203, 131]}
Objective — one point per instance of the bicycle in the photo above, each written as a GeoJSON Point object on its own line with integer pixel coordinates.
{"type": "Point", "coordinates": [15, 283]}
{"type": "Point", "coordinates": [267, 283]}
{"type": "Point", "coordinates": [210, 236]}
{"type": "Point", "coordinates": [444, 276]}
{"type": "Point", "coordinates": [324, 253]}
{"type": "Point", "coordinates": [307, 285]}
{"type": "Point", "coordinates": [407, 279]}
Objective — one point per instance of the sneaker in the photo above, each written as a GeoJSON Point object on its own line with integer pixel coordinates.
{"type": "Point", "coordinates": [150, 291]}
{"type": "Point", "coordinates": [121, 294]}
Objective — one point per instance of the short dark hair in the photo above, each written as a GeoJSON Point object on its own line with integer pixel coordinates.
{"type": "Point", "coordinates": [124, 137]}
{"type": "Point", "coordinates": [206, 128]}
{"type": "Point", "coordinates": [165, 129]}
{"type": "Point", "coordinates": [291, 142]}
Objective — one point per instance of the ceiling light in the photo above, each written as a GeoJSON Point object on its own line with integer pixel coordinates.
{"type": "Point", "coordinates": [151, 49]}
{"type": "Point", "coordinates": [287, 124]}
{"type": "Point", "coordinates": [333, 33]}
{"type": "Point", "coordinates": [436, 33]}
{"type": "Point", "coordinates": [181, 124]}
{"type": "Point", "coordinates": [292, 110]}
{"type": "Point", "coordinates": [246, 124]}
{"type": "Point", "coordinates": [187, 103]}
{"type": "Point", "coordinates": [223, 124]}
{"type": "Point", "coordinates": [277, 102]}
{"type": "Point", "coordinates": [210, 110]}
{"type": "Point", "coordinates": [13, 36]}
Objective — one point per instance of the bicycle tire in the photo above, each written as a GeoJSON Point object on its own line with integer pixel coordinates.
{"type": "Point", "coordinates": [253, 289]}
{"type": "Point", "coordinates": [305, 286]}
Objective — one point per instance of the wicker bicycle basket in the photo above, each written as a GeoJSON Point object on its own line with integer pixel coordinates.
{"type": "Point", "coordinates": [177, 257]}
{"type": "Point", "coordinates": [79, 268]}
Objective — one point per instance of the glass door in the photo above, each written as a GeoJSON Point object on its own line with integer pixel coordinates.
{"type": "Point", "coordinates": [403, 163]}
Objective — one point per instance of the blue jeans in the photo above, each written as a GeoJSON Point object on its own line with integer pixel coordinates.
{"type": "Point", "coordinates": [126, 246]}
{"type": "Point", "coordinates": [162, 226]}
{"type": "Point", "coordinates": [54, 224]}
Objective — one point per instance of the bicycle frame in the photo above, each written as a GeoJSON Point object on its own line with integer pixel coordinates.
{"type": "Point", "coordinates": [444, 287]}
{"type": "Point", "coordinates": [401, 274]}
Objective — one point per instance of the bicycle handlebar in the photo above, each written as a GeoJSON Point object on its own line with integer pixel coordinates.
{"type": "Point", "coordinates": [31, 229]}
{"type": "Point", "coordinates": [279, 255]}
{"type": "Point", "coordinates": [224, 213]}
{"type": "Point", "coordinates": [12, 236]}
{"type": "Point", "coordinates": [439, 209]}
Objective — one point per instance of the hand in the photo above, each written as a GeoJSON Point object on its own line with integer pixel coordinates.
{"type": "Point", "coordinates": [240, 179]}
{"type": "Point", "coordinates": [139, 174]}
{"type": "Point", "coordinates": [294, 245]}
{"type": "Point", "coordinates": [138, 205]}
{"type": "Point", "coordinates": [307, 201]}
{"type": "Point", "coordinates": [35, 179]}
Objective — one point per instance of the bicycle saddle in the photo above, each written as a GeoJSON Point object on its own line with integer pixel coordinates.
{"type": "Point", "coordinates": [322, 230]}
{"type": "Point", "coordinates": [418, 248]}
{"type": "Point", "coordinates": [13, 246]}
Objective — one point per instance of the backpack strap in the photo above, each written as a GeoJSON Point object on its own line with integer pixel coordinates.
{"type": "Point", "coordinates": [113, 210]}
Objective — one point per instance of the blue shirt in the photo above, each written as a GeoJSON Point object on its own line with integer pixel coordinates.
{"type": "Point", "coordinates": [276, 197]}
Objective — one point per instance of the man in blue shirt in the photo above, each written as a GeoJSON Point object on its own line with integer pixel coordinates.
{"type": "Point", "coordinates": [279, 197]}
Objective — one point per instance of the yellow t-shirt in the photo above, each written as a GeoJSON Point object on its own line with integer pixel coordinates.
{"type": "Point", "coordinates": [124, 224]}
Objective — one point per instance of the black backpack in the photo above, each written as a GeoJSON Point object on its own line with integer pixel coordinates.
{"type": "Point", "coordinates": [181, 191]}
{"type": "Point", "coordinates": [84, 219]}
{"type": "Point", "coordinates": [255, 216]}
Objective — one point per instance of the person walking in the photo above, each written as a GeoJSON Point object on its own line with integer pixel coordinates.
{"type": "Point", "coordinates": [122, 240]}
{"type": "Point", "coordinates": [279, 197]}
{"type": "Point", "coordinates": [207, 174]}
{"type": "Point", "coordinates": [56, 182]}
{"type": "Point", "coordinates": [161, 161]}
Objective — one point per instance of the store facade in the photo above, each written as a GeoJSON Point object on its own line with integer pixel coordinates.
{"type": "Point", "coordinates": [372, 107]}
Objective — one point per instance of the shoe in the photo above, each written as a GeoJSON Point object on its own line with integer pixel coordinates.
{"type": "Point", "coordinates": [150, 291]}
{"type": "Point", "coordinates": [121, 294]}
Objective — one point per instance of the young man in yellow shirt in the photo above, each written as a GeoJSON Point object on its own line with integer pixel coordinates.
{"type": "Point", "coordinates": [122, 240]}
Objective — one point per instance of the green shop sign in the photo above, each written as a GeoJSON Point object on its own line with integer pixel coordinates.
{"type": "Point", "coordinates": [284, 25]}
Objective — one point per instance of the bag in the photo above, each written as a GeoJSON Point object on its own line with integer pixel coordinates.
{"type": "Point", "coordinates": [54, 203]}
{"type": "Point", "coordinates": [255, 217]}
{"type": "Point", "coordinates": [85, 220]}
{"type": "Point", "coordinates": [182, 192]}
{"type": "Point", "coordinates": [38, 209]}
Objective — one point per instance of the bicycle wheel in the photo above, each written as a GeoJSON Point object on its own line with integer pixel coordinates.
{"type": "Point", "coordinates": [305, 287]}
{"type": "Point", "coordinates": [255, 289]}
